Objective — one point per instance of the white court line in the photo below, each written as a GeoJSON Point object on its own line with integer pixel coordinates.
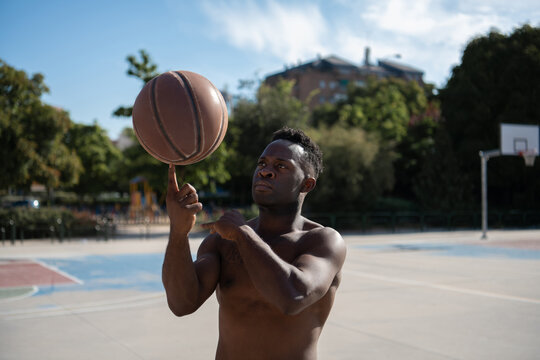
{"type": "Point", "coordinates": [442, 287]}
{"type": "Point", "coordinates": [55, 269]}
{"type": "Point", "coordinates": [34, 289]}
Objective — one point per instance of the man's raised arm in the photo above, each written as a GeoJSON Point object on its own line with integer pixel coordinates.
{"type": "Point", "coordinates": [187, 283]}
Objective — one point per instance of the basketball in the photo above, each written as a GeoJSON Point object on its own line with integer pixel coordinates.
{"type": "Point", "coordinates": [180, 117]}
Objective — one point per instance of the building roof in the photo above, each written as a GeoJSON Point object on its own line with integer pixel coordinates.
{"type": "Point", "coordinates": [332, 62]}
{"type": "Point", "coordinates": [328, 63]}
{"type": "Point", "coordinates": [397, 67]}
{"type": "Point", "coordinates": [384, 68]}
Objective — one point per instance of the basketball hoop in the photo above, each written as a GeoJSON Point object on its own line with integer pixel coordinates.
{"type": "Point", "coordinates": [529, 156]}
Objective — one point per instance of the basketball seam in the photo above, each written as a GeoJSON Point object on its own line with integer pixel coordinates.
{"type": "Point", "coordinates": [143, 143]}
{"type": "Point", "coordinates": [222, 124]}
{"type": "Point", "coordinates": [160, 123]}
{"type": "Point", "coordinates": [196, 110]}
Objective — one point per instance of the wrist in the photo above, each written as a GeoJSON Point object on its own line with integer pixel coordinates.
{"type": "Point", "coordinates": [244, 232]}
{"type": "Point", "coordinates": [178, 230]}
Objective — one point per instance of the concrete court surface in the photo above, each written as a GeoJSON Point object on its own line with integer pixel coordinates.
{"type": "Point", "coordinates": [438, 295]}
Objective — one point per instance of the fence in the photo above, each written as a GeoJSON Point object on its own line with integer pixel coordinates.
{"type": "Point", "coordinates": [105, 228]}
{"type": "Point", "coordinates": [424, 221]}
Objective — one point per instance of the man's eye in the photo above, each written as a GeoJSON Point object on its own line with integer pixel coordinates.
{"type": "Point", "coordinates": [281, 166]}
{"type": "Point", "coordinates": [261, 164]}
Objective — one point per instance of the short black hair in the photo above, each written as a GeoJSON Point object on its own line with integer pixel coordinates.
{"type": "Point", "coordinates": [313, 154]}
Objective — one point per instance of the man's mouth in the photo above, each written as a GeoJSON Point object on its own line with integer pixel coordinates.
{"type": "Point", "coordinates": [262, 186]}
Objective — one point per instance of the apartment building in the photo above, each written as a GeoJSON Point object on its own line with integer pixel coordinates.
{"type": "Point", "coordinates": [331, 76]}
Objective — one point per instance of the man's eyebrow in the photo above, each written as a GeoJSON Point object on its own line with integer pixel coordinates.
{"type": "Point", "coordinates": [285, 160]}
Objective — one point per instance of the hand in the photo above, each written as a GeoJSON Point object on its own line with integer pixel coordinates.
{"type": "Point", "coordinates": [228, 226]}
{"type": "Point", "coordinates": [182, 204]}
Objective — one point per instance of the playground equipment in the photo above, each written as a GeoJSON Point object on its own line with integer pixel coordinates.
{"type": "Point", "coordinates": [143, 202]}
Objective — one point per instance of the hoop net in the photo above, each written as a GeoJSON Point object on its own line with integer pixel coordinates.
{"type": "Point", "coordinates": [529, 156]}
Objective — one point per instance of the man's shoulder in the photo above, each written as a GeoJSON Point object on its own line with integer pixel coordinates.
{"type": "Point", "coordinates": [315, 229]}
{"type": "Point", "coordinates": [210, 244]}
{"type": "Point", "coordinates": [319, 234]}
{"type": "Point", "coordinates": [324, 242]}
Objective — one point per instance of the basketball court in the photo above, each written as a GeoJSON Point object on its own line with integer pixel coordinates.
{"type": "Point", "coordinates": [439, 295]}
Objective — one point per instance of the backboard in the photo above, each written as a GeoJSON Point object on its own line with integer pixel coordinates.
{"type": "Point", "coordinates": [518, 139]}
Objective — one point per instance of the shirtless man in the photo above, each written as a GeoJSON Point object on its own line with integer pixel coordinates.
{"type": "Point", "coordinates": [275, 276]}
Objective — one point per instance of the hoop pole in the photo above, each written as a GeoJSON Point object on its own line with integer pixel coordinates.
{"type": "Point", "coordinates": [484, 157]}
{"type": "Point", "coordinates": [483, 169]}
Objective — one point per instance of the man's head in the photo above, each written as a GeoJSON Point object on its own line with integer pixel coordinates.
{"type": "Point", "coordinates": [287, 169]}
{"type": "Point", "coordinates": [312, 161]}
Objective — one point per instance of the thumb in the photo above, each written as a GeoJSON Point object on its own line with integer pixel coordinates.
{"type": "Point", "coordinates": [209, 226]}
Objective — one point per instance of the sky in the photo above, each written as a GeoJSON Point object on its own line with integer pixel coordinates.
{"type": "Point", "coordinates": [81, 46]}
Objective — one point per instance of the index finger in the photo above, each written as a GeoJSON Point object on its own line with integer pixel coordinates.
{"type": "Point", "coordinates": [173, 184]}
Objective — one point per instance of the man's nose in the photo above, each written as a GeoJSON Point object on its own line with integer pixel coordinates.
{"type": "Point", "coordinates": [265, 173]}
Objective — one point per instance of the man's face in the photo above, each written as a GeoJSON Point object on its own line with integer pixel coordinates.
{"type": "Point", "coordinates": [279, 176]}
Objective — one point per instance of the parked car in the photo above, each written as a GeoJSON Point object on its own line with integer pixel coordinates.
{"type": "Point", "coordinates": [29, 203]}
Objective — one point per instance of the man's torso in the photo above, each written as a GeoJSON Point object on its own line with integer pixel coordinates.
{"type": "Point", "coordinates": [251, 327]}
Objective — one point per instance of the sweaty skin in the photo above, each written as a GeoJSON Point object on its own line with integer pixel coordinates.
{"type": "Point", "coordinates": [275, 276]}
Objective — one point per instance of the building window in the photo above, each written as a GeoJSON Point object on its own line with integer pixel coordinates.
{"type": "Point", "coordinates": [322, 84]}
{"type": "Point", "coordinates": [322, 99]}
{"type": "Point", "coordinates": [332, 85]}
{"type": "Point", "coordinates": [360, 83]}
{"type": "Point", "coordinates": [338, 97]}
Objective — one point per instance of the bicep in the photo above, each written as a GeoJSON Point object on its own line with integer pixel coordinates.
{"type": "Point", "coordinates": [316, 269]}
{"type": "Point", "coordinates": [207, 267]}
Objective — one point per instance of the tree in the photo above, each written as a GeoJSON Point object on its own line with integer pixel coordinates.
{"type": "Point", "coordinates": [98, 155]}
{"type": "Point", "coordinates": [204, 175]}
{"type": "Point", "coordinates": [32, 134]}
{"type": "Point", "coordinates": [357, 170]}
{"type": "Point", "coordinates": [252, 127]}
{"type": "Point", "coordinates": [404, 117]}
{"type": "Point", "coordinates": [144, 69]}
{"type": "Point", "coordinates": [440, 185]}
{"type": "Point", "coordinates": [380, 106]}
{"type": "Point", "coordinates": [498, 81]}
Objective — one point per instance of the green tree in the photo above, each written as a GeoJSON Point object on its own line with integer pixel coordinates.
{"type": "Point", "coordinates": [32, 135]}
{"type": "Point", "coordinates": [440, 185]}
{"type": "Point", "coordinates": [357, 170]}
{"type": "Point", "coordinates": [380, 106]}
{"type": "Point", "coordinates": [99, 158]}
{"type": "Point", "coordinates": [252, 127]}
{"type": "Point", "coordinates": [144, 69]}
{"type": "Point", "coordinates": [204, 175]}
{"type": "Point", "coordinates": [498, 81]}
{"type": "Point", "coordinates": [404, 117]}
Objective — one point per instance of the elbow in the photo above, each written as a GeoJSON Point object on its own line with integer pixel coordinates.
{"type": "Point", "coordinates": [292, 305]}
{"type": "Point", "coordinates": [295, 297]}
{"type": "Point", "coordinates": [292, 310]}
{"type": "Point", "coordinates": [180, 309]}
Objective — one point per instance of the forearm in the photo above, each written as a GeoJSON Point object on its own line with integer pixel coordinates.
{"type": "Point", "coordinates": [277, 280]}
{"type": "Point", "coordinates": [179, 276]}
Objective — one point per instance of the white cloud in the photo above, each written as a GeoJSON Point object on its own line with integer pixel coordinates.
{"type": "Point", "coordinates": [429, 34]}
{"type": "Point", "coordinates": [287, 31]}
{"type": "Point", "coordinates": [429, 22]}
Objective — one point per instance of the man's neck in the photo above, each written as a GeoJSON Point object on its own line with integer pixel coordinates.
{"type": "Point", "coordinates": [273, 222]}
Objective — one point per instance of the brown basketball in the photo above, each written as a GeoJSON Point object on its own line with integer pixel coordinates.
{"type": "Point", "coordinates": [180, 117]}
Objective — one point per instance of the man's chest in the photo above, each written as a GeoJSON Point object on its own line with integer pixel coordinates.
{"type": "Point", "coordinates": [234, 275]}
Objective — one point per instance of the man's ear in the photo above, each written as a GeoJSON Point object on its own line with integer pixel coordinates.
{"type": "Point", "coordinates": [309, 184]}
